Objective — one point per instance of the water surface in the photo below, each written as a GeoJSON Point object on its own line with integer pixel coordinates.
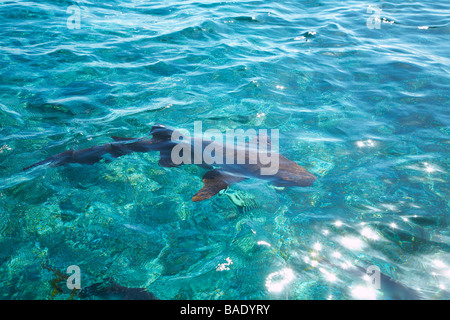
{"type": "Point", "coordinates": [360, 102]}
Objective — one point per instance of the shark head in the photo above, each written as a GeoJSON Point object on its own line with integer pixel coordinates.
{"type": "Point", "coordinates": [292, 174]}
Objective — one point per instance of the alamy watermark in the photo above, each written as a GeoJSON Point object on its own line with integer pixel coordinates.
{"type": "Point", "coordinates": [374, 21]}
{"type": "Point", "coordinates": [373, 277]}
{"type": "Point", "coordinates": [74, 280]}
{"type": "Point", "coordinates": [237, 146]}
{"type": "Point", "coordinates": [74, 19]}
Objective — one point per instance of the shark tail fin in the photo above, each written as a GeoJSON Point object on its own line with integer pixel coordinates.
{"type": "Point", "coordinates": [56, 160]}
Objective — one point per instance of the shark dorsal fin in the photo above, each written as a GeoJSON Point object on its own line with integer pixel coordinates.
{"type": "Point", "coordinates": [161, 131]}
{"type": "Point", "coordinates": [166, 161]}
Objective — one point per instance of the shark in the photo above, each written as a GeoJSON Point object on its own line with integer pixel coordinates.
{"type": "Point", "coordinates": [219, 175]}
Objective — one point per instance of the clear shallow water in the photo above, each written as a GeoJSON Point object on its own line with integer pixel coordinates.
{"type": "Point", "coordinates": [366, 110]}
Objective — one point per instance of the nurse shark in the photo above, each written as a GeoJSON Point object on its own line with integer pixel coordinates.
{"type": "Point", "coordinates": [225, 163]}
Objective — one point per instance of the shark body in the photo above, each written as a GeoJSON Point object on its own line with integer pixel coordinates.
{"type": "Point", "coordinates": [218, 177]}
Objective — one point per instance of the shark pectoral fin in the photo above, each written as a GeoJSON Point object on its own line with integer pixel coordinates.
{"type": "Point", "coordinates": [165, 160]}
{"type": "Point", "coordinates": [213, 182]}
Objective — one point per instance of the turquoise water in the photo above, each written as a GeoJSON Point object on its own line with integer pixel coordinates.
{"type": "Point", "coordinates": [360, 102]}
